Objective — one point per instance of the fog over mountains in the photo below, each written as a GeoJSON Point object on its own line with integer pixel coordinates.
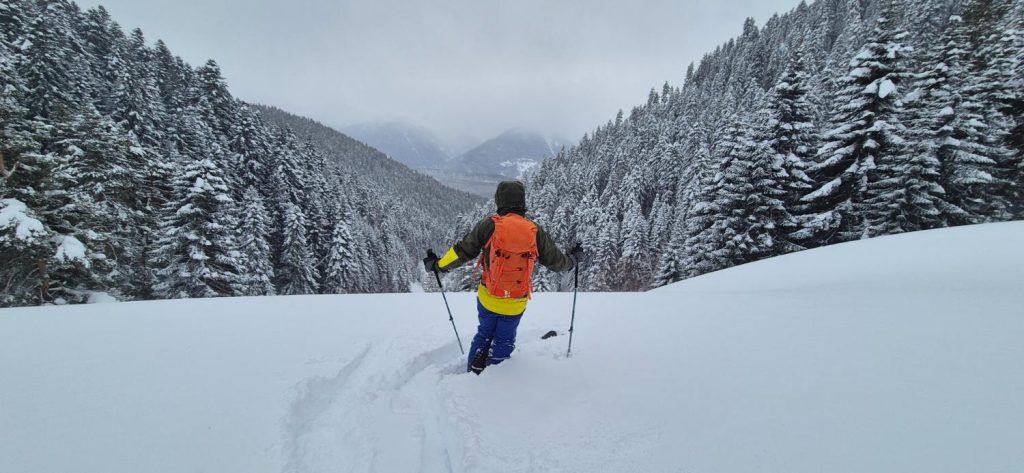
{"type": "Point", "coordinates": [406, 143]}
{"type": "Point", "coordinates": [510, 155]}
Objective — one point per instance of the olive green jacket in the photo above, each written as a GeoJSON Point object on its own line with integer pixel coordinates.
{"type": "Point", "coordinates": [476, 240]}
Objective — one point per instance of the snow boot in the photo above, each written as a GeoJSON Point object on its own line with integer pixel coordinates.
{"type": "Point", "coordinates": [480, 361]}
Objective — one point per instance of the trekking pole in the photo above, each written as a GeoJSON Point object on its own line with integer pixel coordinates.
{"type": "Point", "coordinates": [575, 288]}
{"type": "Point", "coordinates": [446, 306]}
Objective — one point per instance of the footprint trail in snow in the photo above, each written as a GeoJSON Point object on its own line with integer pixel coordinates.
{"type": "Point", "coordinates": [374, 413]}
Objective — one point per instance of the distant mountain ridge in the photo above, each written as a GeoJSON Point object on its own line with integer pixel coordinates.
{"type": "Point", "coordinates": [415, 190]}
{"type": "Point", "coordinates": [512, 154]}
{"type": "Point", "coordinates": [408, 144]}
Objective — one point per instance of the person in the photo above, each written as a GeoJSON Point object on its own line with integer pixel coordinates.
{"type": "Point", "coordinates": [508, 244]}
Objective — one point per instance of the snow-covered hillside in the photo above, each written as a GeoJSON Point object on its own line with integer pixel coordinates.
{"type": "Point", "coordinates": [898, 354]}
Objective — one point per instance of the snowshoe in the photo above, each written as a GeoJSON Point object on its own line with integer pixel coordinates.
{"type": "Point", "coordinates": [480, 361]}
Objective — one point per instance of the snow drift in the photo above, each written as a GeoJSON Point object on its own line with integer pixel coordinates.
{"type": "Point", "coordinates": [896, 354]}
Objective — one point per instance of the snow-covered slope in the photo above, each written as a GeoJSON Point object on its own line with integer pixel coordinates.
{"type": "Point", "coordinates": [971, 258]}
{"type": "Point", "coordinates": [898, 354]}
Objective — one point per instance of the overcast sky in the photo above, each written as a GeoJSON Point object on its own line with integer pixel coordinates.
{"type": "Point", "coordinates": [465, 69]}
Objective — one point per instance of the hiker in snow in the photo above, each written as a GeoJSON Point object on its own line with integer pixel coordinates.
{"type": "Point", "coordinates": [508, 244]}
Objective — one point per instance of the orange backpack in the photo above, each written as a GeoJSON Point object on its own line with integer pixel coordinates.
{"type": "Point", "coordinates": [513, 252]}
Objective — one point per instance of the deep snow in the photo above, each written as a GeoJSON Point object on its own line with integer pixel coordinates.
{"type": "Point", "coordinates": [898, 354]}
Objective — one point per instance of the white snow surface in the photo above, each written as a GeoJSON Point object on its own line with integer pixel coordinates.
{"type": "Point", "coordinates": [97, 297]}
{"type": "Point", "coordinates": [895, 354]}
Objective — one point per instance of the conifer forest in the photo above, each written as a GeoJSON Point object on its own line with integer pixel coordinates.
{"type": "Point", "coordinates": [125, 170]}
{"type": "Point", "coordinates": [840, 120]}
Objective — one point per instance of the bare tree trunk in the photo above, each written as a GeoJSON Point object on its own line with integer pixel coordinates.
{"type": "Point", "coordinates": [44, 279]}
{"type": "Point", "coordinates": [3, 168]}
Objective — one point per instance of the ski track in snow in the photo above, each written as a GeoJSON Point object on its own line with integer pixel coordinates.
{"type": "Point", "coordinates": [890, 355]}
{"type": "Point", "coordinates": [336, 422]}
{"type": "Point", "coordinates": [325, 431]}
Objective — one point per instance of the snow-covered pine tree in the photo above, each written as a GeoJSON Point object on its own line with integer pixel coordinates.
{"type": "Point", "coordinates": [29, 177]}
{"type": "Point", "coordinates": [752, 218]}
{"type": "Point", "coordinates": [867, 129]}
{"type": "Point", "coordinates": [903, 190]}
{"type": "Point", "coordinates": [255, 265]}
{"type": "Point", "coordinates": [395, 265]}
{"type": "Point", "coordinates": [16, 129]}
{"type": "Point", "coordinates": [136, 103]}
{"type": "Point", "coordinates": [220, 109]}
{"type": "Point", "coordinates": [995, 44]}
{"type": "Point", "coordinates": [319, 223]}
{"type": "Point", "coordinates": [43, 182]}
{"type": "Point", "coordinates": [670, 268]}
{"type": "Point", "coordinates": [105, 43]}
{"type": "Point", "coordinates": [927, 19]}
{"type": "Point", "coordinates": [25, 248]}
{"type": "Point", "coordinates": [602, 260]}
{"type": "Point", "coordinates": [136, 106]}
{"type": "Point", "coordinates": [25, 242]}
{"type": "Point", "coordinates": [97, 183]}
{"type": "Point", "coordinates": [13, 20]}
{"type": "Point", "coordinates": [701, 211]}
{"type": "Point", "coordinates": [343, 274]}
{"type": "Point", "coordinates": [1015, 108]}
{"type": "Point", "coordinates": [1001, 89]}
{"type": "Point", "coordinates": [851, 29]}
{"type": "Point", "coordinates": [586, 215]}
{"type": "Point", "coordinates": [53, 63]}
{"type": "Point", "coordinates": [80, 223]}
{"type": "Point", "coordinates": [946, 139]}
{"type": "Point", "coordinates": [252, 146]}
{"type": "Point", "coordinates": [196, 250]}
{"type": "Point", "coordinates": [635, 267]}
{"type": "Point", "coordinates": [154, 192]}
{"type": "Point", "coordinates": [544, 280]}
{"type": "Point", "coordinates": [296, 269]}
{"type": "Point", "coordinates": [791, 133]}
{"type": "Point", "coordinates": [171, 82]}
{"type": "Point", "coordinates": [289, 169]}
{"type": "Point", "coordinates": [667, 170]}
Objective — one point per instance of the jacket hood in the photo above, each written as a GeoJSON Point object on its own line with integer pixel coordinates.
{"type": "Point", "coordinates": [510, 197]}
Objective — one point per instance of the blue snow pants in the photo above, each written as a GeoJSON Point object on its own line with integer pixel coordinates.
{"type": "Point", "coordinates": [496, 333]}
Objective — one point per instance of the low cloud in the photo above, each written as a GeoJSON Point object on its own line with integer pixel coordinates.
{"type": "Point", "coordinates": [466, 69]}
